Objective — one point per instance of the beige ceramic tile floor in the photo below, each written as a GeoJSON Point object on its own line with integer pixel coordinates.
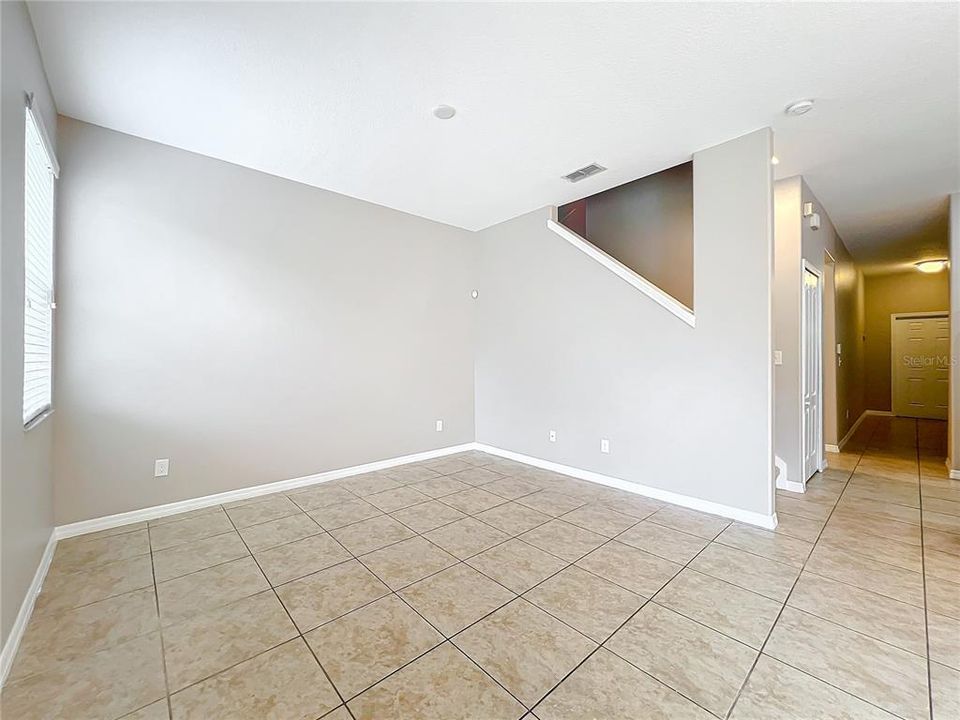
{"type": "Point", "coordinates": [476, 587]}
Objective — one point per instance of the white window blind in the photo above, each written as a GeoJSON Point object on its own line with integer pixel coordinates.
{"type": "Point", "coordinates": [39, 175]}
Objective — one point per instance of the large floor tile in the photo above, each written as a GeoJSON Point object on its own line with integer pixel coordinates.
{"type": "Point", "coordinates": [407, 561]}
{"type": "Point", "coordinates": [321, 496]}
{"type": "Point", "coordinates": [943, 597]}
{"type": "Point", "coordinates": [550, 502]}
{"type": "Point", "coordinates": [276, 506]}
{"type": "Point", "coordinates": [945, 691]}
{"type": "Point", "coordinates": [369, 484]}
{"type": "Point", "coordinates": [396, 499]}
{"type": "Point", "coordinates": [944, 634]}
{"type": "Point", "coordinates": [799, 527]}
{"type": "Point", "coordinates": [778, 691]}
{"type": "Point", "coordinates": [208, 589]}
{"type": "Point", "coordinates": [690, 521]}
{"type": "Point", "coordinates": [734, 611]}
{"type": "Point", "coordinates": [878, 616]}
{"type": "Point", "coordinates": [81, 554]}
{"type": "Point", "coordinates": [511, 488]}
{"type": "Point", "coordinates": [773, 546]}
{"type": "Point", "coordinates": [279, 532]}
{"type": "Point", "coordinates": [516, 565]}
{"type": "Point", "coordinates": [109, 683]}
{"type": "Point", "coordinates": [882, 674]}
{"type": "Point", "coordinates": [606, 686]}
{"type": "Point", "coordinates": [473, 501]}
{"type": "Point", "coordinates": [409, 474]}
{"type": "Point", "coordinates": [513, 518]}
{"type": "Point", "coordinates": [363, 647]}
{"type": "Point", "coordinates": [860, 571]}
{"type": "Point", "coordinates": [456, 597]}
{"type": "Point", "coordinates": [441, 685]}
{"type": "Point", "coordinates": [698, 662]}
{"type": "Point", "coordinates": [439, 486]}
{"type": "Point", "coordinates": [184, 531]}
{"type": "Point", "coordinates": [636, 506]}
{"type": "Point", "coordinates": [633, 569]}
{"type": "Point", "coordinates": [373, 534]}
{"type": "Point", "coordinates": [592, 605]}
{"type": "Point", "coordinates": [663, 541]}
{"type": "Point", "coordinates": [206, 644]}
{"type": "Point", "coordinates": [285, 682]}
{"type": "Point", "coordinates": [566, 541]}
{"type": "Point", "coordinates": [63, 591]}
{"type": "Point", "coordinates": [57, 636]}
{"type": "Point", "coordinates": [326, 595]}
{"type": "Point", "coordinates": [474, 476]}
{"type": "Point", "coordinates": [427, 516]}
{"type": "Point", "coordinates": [599, 519]}
{"type": "Point", "coordinates": [331, 517]}
{"type": "Point", "coordinates": [466, 537]}
{"type": "Point", "coordinates": [198, 555]}
{"type": "Point", "coordinates": [524, 649]}
{"type": "Point", "coordinates": [891, 552]}
{"type": "Point", "coordinates": [288, 562]}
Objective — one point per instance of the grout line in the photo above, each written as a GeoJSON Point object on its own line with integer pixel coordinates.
{"type": "Point", "coordinates": [923, 577]}
{"type": "Point", "coordinates": [786, 599]}
{"type": "Point", "coordinates": [163, 651]}
{"type": "Point", "coordinates": [292, 622]}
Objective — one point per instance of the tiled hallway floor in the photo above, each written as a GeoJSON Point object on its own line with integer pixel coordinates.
{"type": "Point", "coordinates": [475, 587]}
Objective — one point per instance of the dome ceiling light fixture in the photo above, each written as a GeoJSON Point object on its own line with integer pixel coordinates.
{"type": "Point", "coordinates": [444, 112]}
{"type": "Point", "coordinates": [930, 266]}
{"type": "Point", "coordinates": [800, 107]}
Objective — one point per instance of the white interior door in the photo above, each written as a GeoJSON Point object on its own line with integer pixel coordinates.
{"type": "Point", "coordinates": [811, 372]}
{"type": "Point", "coordinates": [921, 366]}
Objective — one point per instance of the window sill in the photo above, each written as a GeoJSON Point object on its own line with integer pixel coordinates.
{"type": "Point", "coordinates": [37, 420]}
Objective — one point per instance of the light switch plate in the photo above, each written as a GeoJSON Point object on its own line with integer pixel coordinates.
{"type": "Point", "coordinates": [778, 357]}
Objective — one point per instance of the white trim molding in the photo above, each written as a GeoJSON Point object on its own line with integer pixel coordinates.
{"type": "Point", "coordinates": [768, 522]}
{"type": "Point", "coordinates": [12, 644]}
{"type": "Point", "coordinates": [665, 300]}
{"type": "Point", "coordinates": [783, 480]}
{"type": "Point", "coordinates": [151, 513]}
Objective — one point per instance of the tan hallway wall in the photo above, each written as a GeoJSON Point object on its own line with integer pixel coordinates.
{"type": "Point", "coordinates": [908, 291]}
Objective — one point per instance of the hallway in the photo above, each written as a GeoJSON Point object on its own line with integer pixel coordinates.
{"type": "Point", "coordinates": [876, 609]}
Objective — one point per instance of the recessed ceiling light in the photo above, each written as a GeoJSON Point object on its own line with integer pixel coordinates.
{"type": "Point", "coordinates": [930, 266]}
{"type": "Point", "coordinates": [774, 160]}
{"type": "Point", "coordinates": [801, 107]}
{"type": "Point", "coordinates": [444, 112]}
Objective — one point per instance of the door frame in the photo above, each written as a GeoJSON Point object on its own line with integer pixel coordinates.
{"type": "Point", "coordinates": [821, 455]}
{"type": "Point", "coordinates": [893, 357]}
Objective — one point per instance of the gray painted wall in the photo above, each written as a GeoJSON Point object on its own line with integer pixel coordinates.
{"type": "Point", "coordinates": [249, 328]}
{"type": "Point", "coordinates": [26, 467]}
{"type": "Point", "coordinates": [647, 225]}
{"type": "Point", "coordinates": [843, 383]}
{"type": "Point", "coordinates": [564, 344]}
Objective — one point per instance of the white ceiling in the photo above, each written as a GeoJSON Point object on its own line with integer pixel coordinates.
{"type": "Point", "coordinates": [340, 95]}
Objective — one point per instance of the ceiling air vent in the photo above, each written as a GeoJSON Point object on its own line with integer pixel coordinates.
{"type": "Point", "coordinates": [584, 172]}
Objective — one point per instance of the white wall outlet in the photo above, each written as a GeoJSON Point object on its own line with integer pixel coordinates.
{"type": "Point", "coordinates": [439, 425]}
{"type": "Point", "coordinates": [604, 445]}
{"type": "Point", "coordinates": [778, 357]}
{"type": "Point", "coordinates": [553, 436]}
{"type": "Point", "coordinates": [161, 468]}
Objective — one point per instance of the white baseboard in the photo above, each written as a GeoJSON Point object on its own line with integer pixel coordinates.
{"type": "Point", "coordinates": [768, 522]}
{"type": "Point", "coordinates": [954, 474]}
{"type": "Point", "coordinates": [12, 644]}
{"type": "Point", "coordinates": [830, 447]}
{"type": "Point", "coordinates": [151, 513]}
{"type": "Point", "coordinates": [783, 480]}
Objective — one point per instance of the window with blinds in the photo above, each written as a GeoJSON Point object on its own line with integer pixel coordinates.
{"type": "Point", "coordinates": [39, 176]}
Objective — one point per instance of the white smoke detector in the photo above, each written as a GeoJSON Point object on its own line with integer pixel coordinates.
{"type": "Point", "coordinates": [444, 112]}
